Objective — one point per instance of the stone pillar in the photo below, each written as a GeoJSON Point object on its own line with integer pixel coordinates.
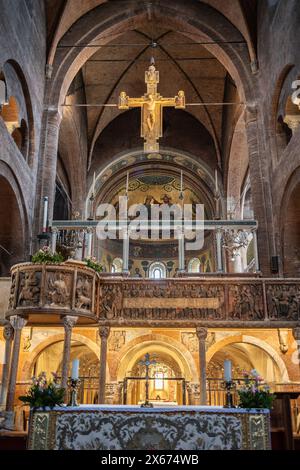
{"type": "Point", "coordinates": [202, 335]}
{"type": "Point", "coordinates": [256, 260]}
{"type": "Point", "coordinates": [18, 324]}
{"type": "Point", "coordinates": [259, 158]}
{"type": "Point", "coordinates": [89, 243]}
{"type": "Point", "coordinates": [103, 333]}
{"type": "Point", "coordinates": [219, 250]}
{"type": "Point", "coordinates": [54, 233]}
{"type": "Point", "coordinates": [69, 322]}
{"type": "Point", "coordinates": [8, 334]}
{"type": "Point", "coordinates": [125, 251]}
{"type": "Point", "coordinates": [48, 163]}
{"type": "Point", "coordinates": [181, 261]}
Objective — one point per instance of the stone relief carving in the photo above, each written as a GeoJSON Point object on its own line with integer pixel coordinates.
{"type": "Point", "coordinates": [12, 291]}
{"type": "Point", "coordinates": [84, 287]}
{"type": "Point", "coordinates": [210, 340]}
{"type": "Point", "coordinates": [283, 301]}
{"type": "Point", "coordinates": [113, 296]}
{"type": "Point", "coordinates": [29, 288]}
{"type": "Point", "coordinates": [190, 341]}
{"type": "Point", "coordinates": [58, 289]}
{"type": "Point", "coordinates": [246, 302]}
{"type": "Point", "coordinates": [117, 340]}
{"type": "Point", "coordinates": [283, 341]}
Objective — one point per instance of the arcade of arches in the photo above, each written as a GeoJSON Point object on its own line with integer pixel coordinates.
{"type": "Point", "coordinates": [66, 148]}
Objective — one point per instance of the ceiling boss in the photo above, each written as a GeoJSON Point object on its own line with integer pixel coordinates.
{"type": "Point", "coordinates": [151, 104]}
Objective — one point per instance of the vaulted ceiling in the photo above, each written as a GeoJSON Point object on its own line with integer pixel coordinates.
{"type": "Point", "coordinates": [183, 62]}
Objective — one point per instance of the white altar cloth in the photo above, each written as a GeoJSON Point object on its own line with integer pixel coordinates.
{"type": "Point", "coordinates": [125, 427]}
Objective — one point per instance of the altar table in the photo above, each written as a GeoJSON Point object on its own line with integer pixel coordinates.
{"type": "Point", "coordinates": [106, 427]}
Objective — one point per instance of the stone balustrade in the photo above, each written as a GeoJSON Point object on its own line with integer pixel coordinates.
{"type": "Point", "coordinates": [44, 292]}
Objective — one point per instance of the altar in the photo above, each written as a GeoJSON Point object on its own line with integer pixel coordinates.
{"type": "Point", "coordinates": [104, 427]}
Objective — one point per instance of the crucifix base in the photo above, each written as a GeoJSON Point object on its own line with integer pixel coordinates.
{"type": "Point", "coordinates": [147, 404]}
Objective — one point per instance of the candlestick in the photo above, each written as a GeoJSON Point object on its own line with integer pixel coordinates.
{"type": "Point", "coordinates": [181, 181]}
{"type": "Point", "coordinates": [75, 369]}
{"type": "Point", "coordinates": [45, 214]}
{"type": "Point", "coordinates": [227, 370]}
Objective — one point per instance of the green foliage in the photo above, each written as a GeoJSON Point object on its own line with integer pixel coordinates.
{"type": "Point", "coordinates": [93, 264]}
{"type": "Point", "coordinates": [254, 393]}
{"type": "Point", "coordinates": [45, 256]}
{"type": "Point", "coordinates": [43, 393]}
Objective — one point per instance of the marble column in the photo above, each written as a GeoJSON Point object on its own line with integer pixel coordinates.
{"type": "Point", "coordinates": [69, 322]}
{"type": "Point", "coordinates": [18, 324]}
{"type": "Point", "coordinates": [8, 334]}
{"type": "Point", "coordinates": [125, 251]}
{"type": "Point", "coordinates": [103, 333]}
{"type": "Point", "coordinates": [54, 233]}
{"type": "Point", "coordinates": [202, 335]}
{"type": "Point", "coordinates": [219, 250]}
{"type": "Point", "coordinates": [255, 251]}
{"type": "Point", "coordinates": [296, 356]}
{"type": "Point", "coordinates": [181, 260]}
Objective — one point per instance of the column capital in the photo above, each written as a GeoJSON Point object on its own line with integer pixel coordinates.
{"type": "Point", "coordinates": [104, 331]}
{"type": "Point", "coordinates": [17, 322]}
{"type": "Point", "coordinates": [69, 321]}
{"type": "Point", "coordinates": [54, 114]}
{"type": "Point", "coordinates": [296, 333]}
{"type": "Point", "coordinates": [201, 333]}
{"type": "Point", "coordinates": [8, 332]}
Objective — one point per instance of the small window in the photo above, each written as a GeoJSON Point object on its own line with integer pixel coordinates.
{"type": "Point", "coordinates": [157, 270]}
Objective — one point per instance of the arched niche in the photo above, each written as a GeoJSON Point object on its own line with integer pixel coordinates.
{"type": "Point", "coordinates": [290, 226]}
{"type": "Point", "coordinates": [13, 225]}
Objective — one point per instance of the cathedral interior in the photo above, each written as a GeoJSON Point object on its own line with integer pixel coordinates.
{"type": "Point", "coordinates": [78, 136]}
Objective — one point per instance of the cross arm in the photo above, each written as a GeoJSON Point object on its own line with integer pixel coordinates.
{"type": "Point", "coordinates": [125, 102]}
{"type": "Point", "coordinates": [178, 101]}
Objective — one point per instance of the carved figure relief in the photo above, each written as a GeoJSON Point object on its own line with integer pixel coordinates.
{"type": "Point", "coordinates": [190, 341]}
{"type": "Point", "coordinates": [283, 302]}
{"type": "Point", "coordinates": [246, 302]}
{"type": "Point", "coordinates": [58, 289]}
{"type": "Point", "coordinates": [117, 340]}
{"type": "Point", "coordinates": [84, 292]}
{"type": "Point", "coordinates": [29, 288]}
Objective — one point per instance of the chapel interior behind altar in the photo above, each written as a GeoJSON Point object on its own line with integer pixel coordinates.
{"type": "Point", "coordinates": [67, 148]}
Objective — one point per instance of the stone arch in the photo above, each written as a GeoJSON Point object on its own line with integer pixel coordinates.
{"type": "Point", "coordinates": [290, 226]}
{"type": "Point", "coordinates": [14, 236]}
{"type": "Point", "coordinates": [18, 88]}
{"type": "Point", "coordinates": [56, 338]}
{"type": "Point", "coordinates": [104, 23]}
{"type": "Point", "coordinates": [137, 346]}
{"type": "Point", "coordinates": [240, 338]}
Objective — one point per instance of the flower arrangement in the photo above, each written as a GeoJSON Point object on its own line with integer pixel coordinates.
{"type": "Point", "coordinates": [45, 256]}
{"type": "Point", "coordinates": [254, 393]}
{"type": "Point", "coordinates": [44, 392]}
{"type": "Point", "coordinates": [93, 264]}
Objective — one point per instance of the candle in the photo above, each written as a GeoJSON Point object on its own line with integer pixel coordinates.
{"type": "Point", "coordinates": [45, 214]}
{"type": "Point", "coordinates": [94, 184]}
{"type": "Point", "coordinates": [181, 181]}
{"type": "Point", "coordinates": [75, 369]}
{"type": "Point", "coordinates": [227, 370]}
{"type": "Point", "coordinates": [216, 180]}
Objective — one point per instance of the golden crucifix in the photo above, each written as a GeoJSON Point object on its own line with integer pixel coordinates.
{"type": "Point", "coordinates": [152, 104]}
